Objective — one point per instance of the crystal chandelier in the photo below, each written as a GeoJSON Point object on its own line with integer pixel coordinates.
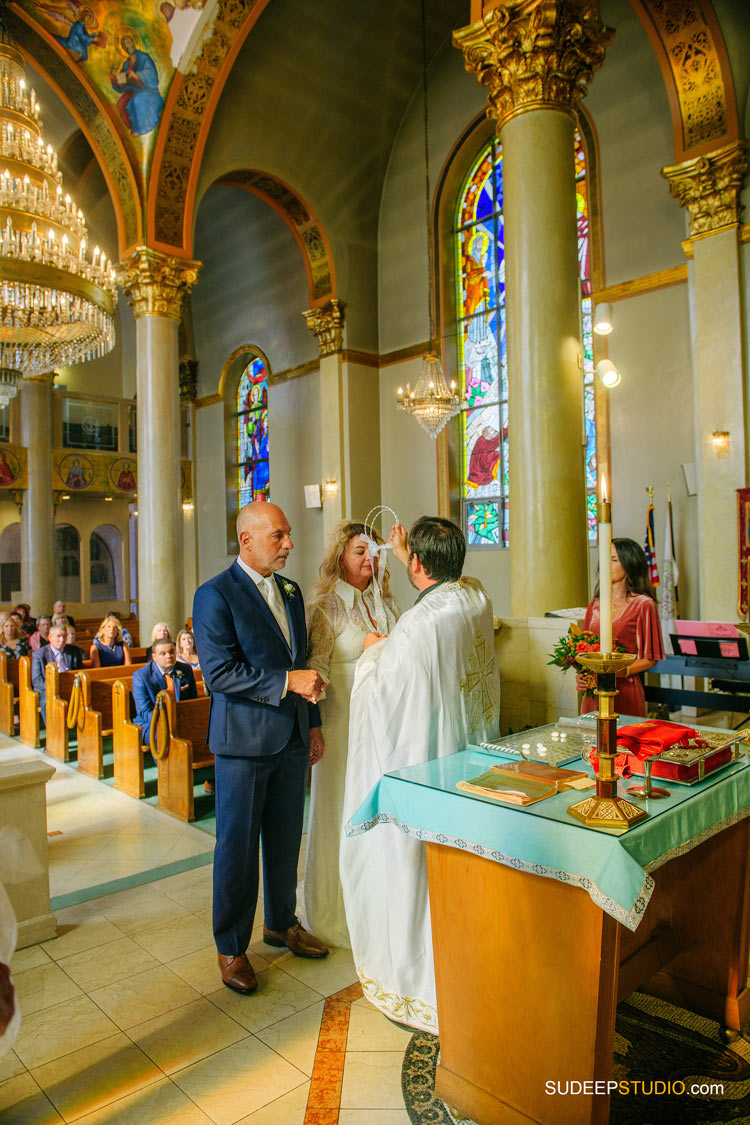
{"type": "Point", "coordinates": [432, 402]}
{"type": "Point", "coordinates": [56, 303]}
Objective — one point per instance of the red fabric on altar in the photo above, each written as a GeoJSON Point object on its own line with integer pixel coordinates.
{"type": "Point", "coordinates": [654, 737]}
{"type": "Point", "coordinates": [638, 630]}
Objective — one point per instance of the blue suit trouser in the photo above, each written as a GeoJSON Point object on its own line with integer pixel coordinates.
{"type": "Point", "coordinates": [257, 800]}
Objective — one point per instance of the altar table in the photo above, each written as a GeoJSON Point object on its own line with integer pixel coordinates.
{"type": "Point", "coordinates": [541, 926]}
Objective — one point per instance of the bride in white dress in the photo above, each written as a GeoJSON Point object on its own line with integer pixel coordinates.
{"type": "Point", "coordinates": [343, 607]}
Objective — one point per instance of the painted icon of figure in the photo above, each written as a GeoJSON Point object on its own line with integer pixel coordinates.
{"type": "Point", "coordinates": [7, 472]}
{"type": "Point", "coordinates": [485, 458]}
{"type": "Point", "coordinates": [137, 82]}
{"type": "Point", "coordinates": [126, 479]}
{"type": "Point", "coordinates": [81, 21]}
{"type": "Point", "coordinates": [76, 475]}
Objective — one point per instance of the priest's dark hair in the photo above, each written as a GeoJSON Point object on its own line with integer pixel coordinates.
{"type": "Point", "coordinates": [633, 561]}
{"type": "Point", "coordinates": [440, 547]}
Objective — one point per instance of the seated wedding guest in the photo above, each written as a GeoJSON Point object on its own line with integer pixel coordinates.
{"type": "Point", "coordinates": [160, 632]}
{"type": "Point", "coordinates": [127, 639]}
{"type": "Point", "coordinates": [635, 625]}
{"type": "Point", "coordinates": [67, 657]}
{"type": "Point", "coordinates": [60, 619]}
{"type": "Point", "coordinates": [108, 648]}
{"type": "Point", "coordinates": [428, 690]}
{"type": "Point", "coordinates": [28, 624]}
{"type": "Point", "coordinates": [150, 680]}
{"type": "Point", "coordinates": [344, 606]}
{"type": "Point", "coordinates": [40, 637]}
{"type": "Point", "coordinates": [70, 638]}
{"type": "Point", "coordinates": [59, 607]}
{"type": "Point", "coordinates": [186, 650]}
{"type": "Point", "coordinates": [13, 643]}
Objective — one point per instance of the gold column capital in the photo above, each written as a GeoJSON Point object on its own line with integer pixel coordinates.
{"type": "Point", "coordinates": [47, 377]}
{"type": "Point", "coordinates": [156, 284]}
{"type": "Point", "coordinates": [327, 323]}
{"type": "Point", "coordinates": [709, 187]}
{"type": "Point", "coordinates": [535, 54]}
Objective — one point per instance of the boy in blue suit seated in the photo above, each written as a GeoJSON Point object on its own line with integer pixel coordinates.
{"type": "Point", "coordinates": [149, 681]}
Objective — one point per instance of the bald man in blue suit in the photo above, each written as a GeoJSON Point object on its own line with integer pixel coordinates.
{"type": "Point", "coordinates": [264, 731]}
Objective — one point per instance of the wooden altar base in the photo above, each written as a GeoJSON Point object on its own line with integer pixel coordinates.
{"type": "Point", "coordinates": [529, 972]}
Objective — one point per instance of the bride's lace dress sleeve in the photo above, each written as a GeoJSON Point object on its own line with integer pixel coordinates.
{"type": "Point", "coordinates": [321, 637]}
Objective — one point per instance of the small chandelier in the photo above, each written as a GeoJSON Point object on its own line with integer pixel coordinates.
{"type": "Point", "coordinates": [432, 402]}
{"type": "Point", "coordinates": [56, 305]}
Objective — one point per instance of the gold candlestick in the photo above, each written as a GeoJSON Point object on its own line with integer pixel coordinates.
{"type": "Point", "coordinates": [606, 809]}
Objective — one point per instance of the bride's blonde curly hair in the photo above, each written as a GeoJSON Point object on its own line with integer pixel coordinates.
{"type": "Point", "coordinates": [332, 566]}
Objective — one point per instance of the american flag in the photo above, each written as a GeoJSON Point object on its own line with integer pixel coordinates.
{"type": "Point", "coordinates": [650, 548]}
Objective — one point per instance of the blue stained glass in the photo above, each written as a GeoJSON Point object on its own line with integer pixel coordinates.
{"type": "Point", "coordinates": [478, 202]}
{"type": "Point", "coordinates": [479, 359]}
{"type": "Point", "coordinates": [482, 451]}
{"type": "Point", "coordinates": [253, 475]}
{"type": "Point", "coordinates": [483, 525]}
{"type": "Point", "coordinates": [499, 179]}
{"type": "Point", "coordinates": [591, 515]}
{"type": "Point", "coordinates": [479, 281]}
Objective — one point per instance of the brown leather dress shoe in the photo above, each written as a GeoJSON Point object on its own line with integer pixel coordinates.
{"type": "Point", "coordinates": [237, 973]}
{"type": "Point", "coordinates": [296, 938]}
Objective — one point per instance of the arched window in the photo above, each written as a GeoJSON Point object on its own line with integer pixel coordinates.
{"type": "Point", "coordinates": [105, 574]}
{"type": "Point", "coordinates": [68, 563]}
{"type": "Point", "coordinates": [483, 373]}
{"type": "Point", "coordinates": [253, 478]}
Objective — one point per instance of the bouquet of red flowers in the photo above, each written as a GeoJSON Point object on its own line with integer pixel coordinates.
{"type": "Point", "coordinates": [576, 642]}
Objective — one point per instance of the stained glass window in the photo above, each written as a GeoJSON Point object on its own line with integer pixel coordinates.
{"type": "Point", "coordinates": [252, 472]}
{"type": "Point", "coordinates": [480, 273]}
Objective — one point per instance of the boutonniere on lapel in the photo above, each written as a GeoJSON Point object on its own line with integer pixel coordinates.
{"type": "Point", "coordinates": [289, 589]}
{"type": "Point", "coordinates": [178, 673]}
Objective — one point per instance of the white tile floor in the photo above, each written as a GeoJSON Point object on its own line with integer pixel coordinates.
{"type": "Point", "coordinates": [125, 1019]}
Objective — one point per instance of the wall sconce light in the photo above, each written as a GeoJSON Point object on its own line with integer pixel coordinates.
{"type": "Point", "coordinates": [109, 498]}
{"type": "Point", "coordinates": [608, 373]}
{"type": "Point", "coordinates": [187, 505]}
{"type": "Point", "coordinates": [603, 319]}
{"type": "Point", "coordinates": [330, 488]}
{"type": "Point", "coordinates": [65, 496]}
{"type": "Point", "coordinates": [312, 496]}
{"type": "Point", "coordinates": [720, 442]}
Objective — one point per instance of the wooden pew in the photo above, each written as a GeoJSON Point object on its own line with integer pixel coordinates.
{"type": "Point", "coordinates": [28, 705]}
{"type": "Point", "coordinates": [178, 743]}
{"type": "Point", "coordinates": [96, 718]}
{"type": "Point", "coordinates": [65, 696]}
{"type": "Point", "coordinates": [8, 693]}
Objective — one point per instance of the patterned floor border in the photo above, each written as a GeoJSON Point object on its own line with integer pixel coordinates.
{"type": "Point", "coordinates": [324, 1099]}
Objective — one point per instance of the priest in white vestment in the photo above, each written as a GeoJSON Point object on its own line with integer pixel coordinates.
{"type": "Point", "coordinates": [426, 691]}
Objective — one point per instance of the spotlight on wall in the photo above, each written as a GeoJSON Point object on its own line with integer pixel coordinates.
{"type": "Point", "coordinates": [603, 319]}
{"type": "Point", "coordinates": [109, 498]}
{"type": "Point", "coordinates": [608, 373]}
{"type": "Point", "coordinates": [720, 442]}
{"type": "Point", "coordinates": [65, 496]}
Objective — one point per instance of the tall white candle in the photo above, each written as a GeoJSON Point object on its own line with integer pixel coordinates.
{"type": "Point", "coordinates": [605, 571]}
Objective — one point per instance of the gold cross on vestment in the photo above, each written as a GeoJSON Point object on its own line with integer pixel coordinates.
{"type": "Point", "coordinates": [480, 685]}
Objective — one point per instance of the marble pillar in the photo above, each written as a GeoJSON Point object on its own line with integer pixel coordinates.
{"type": "Point", "coordinates": [156, 286]}
{"type": "Point", "coordinates": [350, 423]}
{"type": "Point", "coordinates": [520, 51]}
{"type": "Point", "coordinates": [38, 512]}
{"type": "Point", "coordinates": [709, 187]}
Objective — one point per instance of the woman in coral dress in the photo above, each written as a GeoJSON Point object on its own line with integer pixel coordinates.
{"type": "Point", "coordinates": [635, 626]}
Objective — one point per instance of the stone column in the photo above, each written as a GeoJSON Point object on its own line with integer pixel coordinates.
{"type": "Point", "coordinates": [709, 187]}
{"type": "Point", "coordinates": [155, 286]}
{"type": "Point", "coordinates": [350, 422]}
{"type": "Point", "coordinates": [536, 58]}
{"type": "Point", "coordinates": [38, 511]}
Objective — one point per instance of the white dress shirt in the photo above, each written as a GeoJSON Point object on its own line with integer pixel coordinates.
{"type": "Point", "coordinates": [269, 591]}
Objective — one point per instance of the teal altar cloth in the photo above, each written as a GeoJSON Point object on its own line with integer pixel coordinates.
{"type": "Point", "coordinates": [542, 838]}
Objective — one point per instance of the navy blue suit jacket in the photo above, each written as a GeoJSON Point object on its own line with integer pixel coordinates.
{"type": "Point", "coordinates": [148, 682]}
{"type": "Point", "coordinates": [244, 659]}
{"type": "Point", "coordinates": [46, 655]}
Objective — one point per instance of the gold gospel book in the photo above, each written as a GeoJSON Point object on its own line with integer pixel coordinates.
{"type": "Point", "coordinates": [521, 783]}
